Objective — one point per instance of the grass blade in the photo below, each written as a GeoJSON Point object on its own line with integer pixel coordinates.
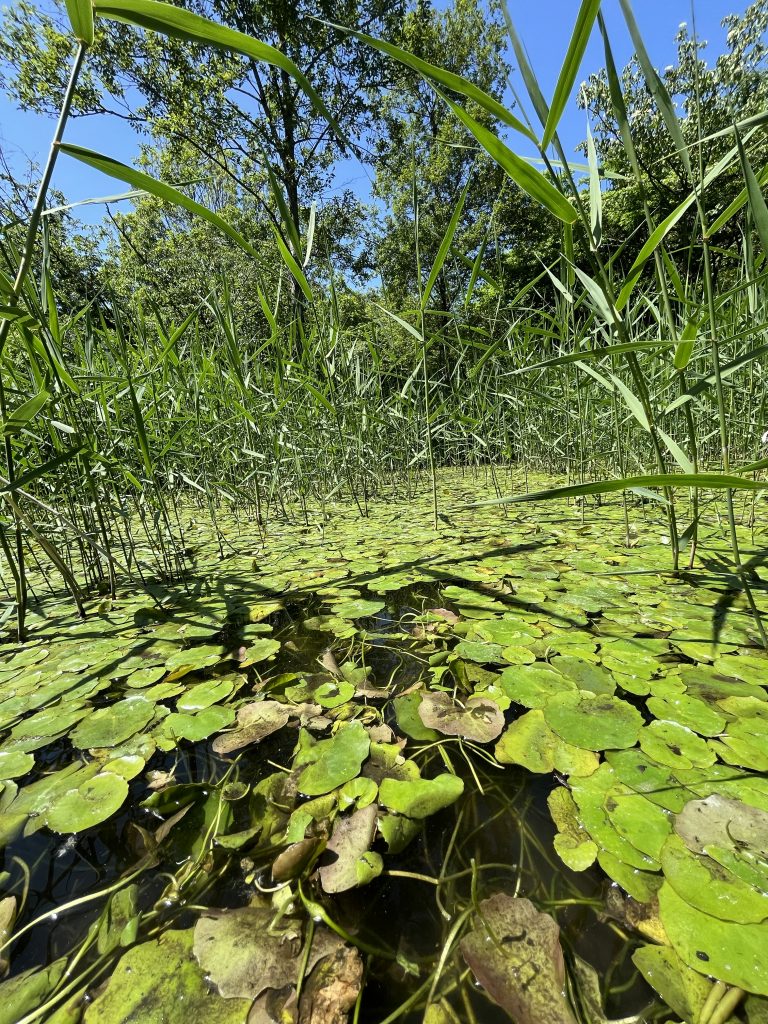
{"type": "Point", "coordinates": [146, 183]}
{"type": "Point", "coordinates": [711, 481]}
{"type": "Point", "coordinates": [756, 198]}
{"type": "Point", "coordinates": [658, 90]}
{"type": "Point", "coordinates": [433, 73]}
{"type": "Point", "coordinates": [445, 245]}
{"type": "Point", "coordinates": [80, 14]}
{"type": "Point", "coordinates": [596, 353]}
{"type": "Point", "coordinates": [520, 171]}
{"type": "Point", "coordinates": [570, 68]}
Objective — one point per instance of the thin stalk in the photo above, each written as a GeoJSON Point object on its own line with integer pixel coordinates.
{"type": "Point", "coordinates": [5, 325]}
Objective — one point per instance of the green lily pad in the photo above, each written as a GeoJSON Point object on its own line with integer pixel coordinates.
{"type": "Point", "coordinates": [198, 726]}
{"type": "Point", "coordinates": [91, 803]}
{"type": "Point", "coordinates": [709, 887]}
{"type": "Point", "coordinates": [642, 823]}
{"type": "Point", "coordinates": [193, 659]}
{"type": "Point", "coordinates": [114, 724]}
{"type": "Point", "coordinates": [674, 745]}
{"type": "Point", "coordinates": [572, 842]}
{"type": "Point", "coordinates": [204, 694]}
{"type": "Point", "coordinates": [507, 632]}
{"type": "Point", "coordinates": [52, 722]}
{"type": "Point", "coordinates": [641, 885]}
{"type": "Point", "coordinates": [533, 686]}
{"type": "Point", "coordinates": [161, 981]}
{"type": "Point", "coordinates": [15, 763]}
{"type": "Point", "coordinates": [360, 792]}
{"type": "Point", "coordinates": [473, 604]}
{"type": "Point", "coordinates": [260, 650]}
{"type": "Point", "coordinates": [335, 761]}
{"type": "Point", "coordinates": [594, 722]}
{"type": "Point", "coordinates": [689, 711]}
{"type": "Point", "coordinates": [530, 742]}
{"type": "Point", "coordinates": [584, 674]}
{"type": "Point", "coordinates": [25, 992]}
{"type": "Point", "coordinates": [590, 795]}
{"type": "Point", "coordinates": [683, 990]}
{"type": "Point", "coordinates": [479, 652]}
{"type": "Point", "coordinates": [357, 608]}
{"type": "Point", "coordinates": [655, 781]}
{"type": "Point", "coordinates": [333, 693]}
{"type": "Point", "coordinates": [734, 953]}
{"type": "Point", "coordinates": [409, 720]}
{"type": "Point", "coordinates": [419, 798]}
{"type": "Point", "coordinates": [145, 677]}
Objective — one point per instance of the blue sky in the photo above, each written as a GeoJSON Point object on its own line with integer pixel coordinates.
{"type": "Point", "coordinates": [545, 27]}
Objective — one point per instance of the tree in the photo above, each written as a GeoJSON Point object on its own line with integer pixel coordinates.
{"type": "Point", "coordinates": [244, 117]}
{"type": "Point", "coordinates": [72, 254]}
{"type": "Point", "coordinates": [423, 141]}
{"type": "Point", "coordinates": [710, 99]}
{"type": "Point", "coordinates": [164, 256]}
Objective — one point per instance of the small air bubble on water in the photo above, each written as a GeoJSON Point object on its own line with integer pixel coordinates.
{"type": "Point", "coordinates": [317, 918]}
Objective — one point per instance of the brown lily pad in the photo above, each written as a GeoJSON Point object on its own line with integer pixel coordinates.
{"type": "Point", "coordinates": [480, 719]}
{"type": "Point", "coordinates": [515, 954]}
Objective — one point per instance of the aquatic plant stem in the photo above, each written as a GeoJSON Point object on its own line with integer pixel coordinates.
{"type": "Point", "coordinates": [5, 325]}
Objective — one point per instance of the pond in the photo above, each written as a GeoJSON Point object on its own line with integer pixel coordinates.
{"type": "Point", "coordinates": [362, 769]}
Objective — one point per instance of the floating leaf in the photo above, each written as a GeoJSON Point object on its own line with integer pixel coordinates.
{"type": "Point", "coordinates": [708, 887]}
{"type": "Point", "coordinates": [15, 763]}
{"type": "Point", "coordinates": [91, 803]}
{"type": "Point", "coordinates": [204, 694]}
{"type": "Point", "coordinates": [197, 727]}
{"type": "Point", "coordinates": [408, 718]}
{"type": "Point", "coordinates": [572, 842]}
{"type": "Point", "coordinates": [481, 653]}
{"type": "Point", "coordinates": [720, 821]}
{"type": "Point", "coordinates": [193, 659]}
{"type": "Point", "coordinates": [256, 721]}
{"type": "Point", "coordinates": [358, 609]}
{"type": "Point", "coordinates": [479, 720]}
{"type": "Point", "coordinates": [514, 952]}
{"type": "Point", "coordinates": [642, 823]}
{"type": "Point", "coordinates": [160, 981]}
{"type": "Point", "coordinates": [261, 650]}
{"type": "Point", "coordinates": [683, 990]}
{"type": "Point", "coordinates": [242, 956]}
{"type": "Point", "coordinates": [335, 761]}
{"type": "Point", "coordinates": [734, 953]}
{"type": "Point", "coordinates": [529, 741]}
{"type": "Point", "coordinates": [594, 722]}
{"type": "Point", "coordinates": [114, 724]}
{"type": "Point", "coordinates": [688, 711]}
{"type": "Point", "coordinates": [419, 798]}
{"type": "Point", "coordinates": [674, 745]}
{"type": "Point", "coordinates": [533, 686]}
{"type": "Point", "coordinates": [348, 860]}
{"type": "Point", "coordinates": [25, 992]}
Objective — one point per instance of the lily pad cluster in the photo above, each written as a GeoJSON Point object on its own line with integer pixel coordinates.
{"type": "Point", "coordinates": [642, 695]}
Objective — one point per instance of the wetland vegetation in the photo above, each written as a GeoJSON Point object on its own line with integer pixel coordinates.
{"type": "Point", "coordinates": [383, 589]}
